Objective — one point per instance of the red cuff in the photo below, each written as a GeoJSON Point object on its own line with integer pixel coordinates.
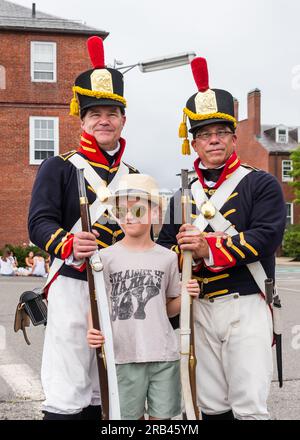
{"type": "Point", "coordinates": [197, 267]}
{"type": "Point", "coordinates": [67, 248]}
{"type": "Point", "coordinates": [222, 258]}
{"type": "Point", "coordinates": [80, 268]}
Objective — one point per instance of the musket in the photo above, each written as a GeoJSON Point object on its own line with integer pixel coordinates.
{"type": "Point", "coordinates": [272, 299]}
{"type": "Point", "coordinates": [100, 356]}
{"type": "Point", "coordinates": [187, 346]}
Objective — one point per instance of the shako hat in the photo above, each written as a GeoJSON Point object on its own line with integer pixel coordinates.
{"type": "Point", "coordinates": [208, 106]}
{"type": "Point", "coordinates": [98, 86]}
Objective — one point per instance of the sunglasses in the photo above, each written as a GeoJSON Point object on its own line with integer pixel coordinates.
{"type": "Point", "coordinates": [137, 211]}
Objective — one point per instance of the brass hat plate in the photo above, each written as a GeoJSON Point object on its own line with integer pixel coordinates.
{"type": "Point", "coordinates": [206, 103]}
{"type": "Point", "coordinates": [101, 81]}
{"type": "Point", "coordinates": [208, 210]}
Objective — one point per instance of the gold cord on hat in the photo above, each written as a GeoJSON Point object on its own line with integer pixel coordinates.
{"type": "Point", "coordinates": [74, 106]}
{"type": "Point", "coordinates": [183, 134]}
{"type": "Point", "coordinates": [202, 117]}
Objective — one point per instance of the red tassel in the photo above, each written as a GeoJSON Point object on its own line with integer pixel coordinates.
{"type": "Point", "coordinates": [96, 52]}
{"type": "Point", "coordinates": [200, 72]}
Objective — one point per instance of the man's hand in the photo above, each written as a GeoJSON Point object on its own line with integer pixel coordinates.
{"type": "Point", "coordinates": [190, 238]}
{"type": "Point", "coordinates": [84, 244]}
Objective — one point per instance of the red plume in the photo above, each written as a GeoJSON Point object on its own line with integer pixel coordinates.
{"type": "Point", "coordinates": [96, 52]}
{"type": "Point", "coordinates": [200, 72]}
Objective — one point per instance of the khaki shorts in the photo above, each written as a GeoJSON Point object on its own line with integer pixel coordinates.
{"type": "Point", "coordinates": [157, 383]}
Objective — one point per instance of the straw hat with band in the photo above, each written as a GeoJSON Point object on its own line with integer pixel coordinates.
{"type": "Point", "coordinates": [136, 185]}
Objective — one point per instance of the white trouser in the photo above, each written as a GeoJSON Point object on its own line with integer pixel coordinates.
{"type": "Point", "coordinates": [233, 338]}
{"type": "Point", "coordinates": [69, 368]}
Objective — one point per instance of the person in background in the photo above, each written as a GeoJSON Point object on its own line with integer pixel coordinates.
{"type": "Point", "coordinates": [29, 261]}
{"type": "Point", "coordinates": [39, 269]}
{"type": "Point", "coordinates": [7, 266]}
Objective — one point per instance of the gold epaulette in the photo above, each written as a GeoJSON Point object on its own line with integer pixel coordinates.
{"type": "Point", "coordinates": [131, 168]}
{"type": "Point", "coordinates": [250, 167]}
{"type": "Point", "coordinates": [66, 156]}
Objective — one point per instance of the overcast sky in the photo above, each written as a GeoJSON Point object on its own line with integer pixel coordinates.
{"type": "Point", "coordinates": [247, 44]}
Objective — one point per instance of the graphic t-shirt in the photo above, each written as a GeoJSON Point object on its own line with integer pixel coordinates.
{"type": "Point", "coordinates": [138, 284]}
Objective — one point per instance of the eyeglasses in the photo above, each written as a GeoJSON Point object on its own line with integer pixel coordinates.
{"type": "Point", "coordinates": [137, 211]}
{"type": "Point", "coordinates": [206, 135]}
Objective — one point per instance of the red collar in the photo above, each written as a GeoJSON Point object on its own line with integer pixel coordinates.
{"type": "Point", "coordinates": [231, 165]}
{"type": "Point", "coordinates": [90, 148]}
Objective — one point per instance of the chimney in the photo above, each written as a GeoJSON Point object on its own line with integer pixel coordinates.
{"type": "Point", "coordinates": [254, 111]}
{"type": "Point", "coordinates": [33, 11]}
{"type": "Point", "coordinates": [236, 109]}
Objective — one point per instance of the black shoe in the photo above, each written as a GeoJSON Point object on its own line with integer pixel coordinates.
{"type": "Point", "coordinates": [53, 416]}
{"type": "Point", "coordinates": [91, 413]}
{"type": "Point", "coordinates": [225, 416]}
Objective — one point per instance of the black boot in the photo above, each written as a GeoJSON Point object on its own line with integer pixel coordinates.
{"type": "Point", "coordinates": [54, 416]}
{"type": "Point", "coordinates": [91, 413]}
{"type": "Point", "coordinates": [225, 416]}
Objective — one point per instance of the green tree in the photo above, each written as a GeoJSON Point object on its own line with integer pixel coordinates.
{"type": "Point", "coordinates": [291, 242]}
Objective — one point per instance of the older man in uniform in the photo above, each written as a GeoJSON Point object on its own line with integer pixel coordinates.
{"type": "Point", "coordinates": [240, 215]}
{"type": "Point", "coordinates": [69, 370]}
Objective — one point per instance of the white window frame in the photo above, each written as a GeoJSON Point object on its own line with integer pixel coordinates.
{"type": "Point", "coordinates": [286, 178]}
{"type": "Point", "coordinates": [2, 78]}
{"type": "Point", "coordinates": [32, 60]}
{"type": "Point", "coordinates": [32, 119]}
{"type": "Point", "coordinates": [291, 211]}
{"type": "Point", "coordinates": [286, 135]}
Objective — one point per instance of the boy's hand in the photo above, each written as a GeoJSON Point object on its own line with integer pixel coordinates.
{"type": "Point", "coordinates": [95, 338]}
{"type": "Point", "coordinates": [193, 288]}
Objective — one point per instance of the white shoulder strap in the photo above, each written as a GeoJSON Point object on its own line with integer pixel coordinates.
{"type": "Point", "coordinates": [220, 223]}
{"type": "Point", "coordinates": [97, 208]}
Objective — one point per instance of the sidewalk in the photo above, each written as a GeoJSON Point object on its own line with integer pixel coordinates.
{"type": "Point", "coordinates": [284, 261]}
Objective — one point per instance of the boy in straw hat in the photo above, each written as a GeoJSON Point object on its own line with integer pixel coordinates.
{"type": "Point", "coordinates": [142, 282]}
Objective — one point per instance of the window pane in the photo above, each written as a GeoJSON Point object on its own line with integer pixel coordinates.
{"type": "Point", "coordinates": [43, 52]}
{"type": "Point", "coordinates": [44, 145]}
{"type": "Point", "coordinates": [41, 155]}
{"type": "Point", "coordinates": [44, 75]}
{"type": "Point", "coordinates": [47, 67]}
{"type": "Point", "coordinates": [50, 124]}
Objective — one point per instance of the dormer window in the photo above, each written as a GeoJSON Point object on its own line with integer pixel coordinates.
{"type": "Point", "coordinates": [282, 135]}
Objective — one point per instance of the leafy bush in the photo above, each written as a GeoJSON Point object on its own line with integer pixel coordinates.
{"type": "Point", "coordinates": [21, 252]}
{"type": "Point", "coordinates": [291, 242]}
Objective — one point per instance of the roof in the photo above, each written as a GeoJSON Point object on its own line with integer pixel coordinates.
{"type": "Point", "coordinates": [19, 18]}
{"type": "Point", "coordinates": [269, 142]}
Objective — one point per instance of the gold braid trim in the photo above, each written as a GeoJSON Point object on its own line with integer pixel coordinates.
{"type": "Point", "coordinates": [196, 117]}
{"type": "Point", "coordinates": [95, 94]}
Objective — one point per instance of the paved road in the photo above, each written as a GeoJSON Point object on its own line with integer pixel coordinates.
{"type": "Point", "coordinates": [20, 389]}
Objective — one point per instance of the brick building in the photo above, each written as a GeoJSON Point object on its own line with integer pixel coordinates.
{"type": "Point", "coordinates": [40, 56]}
{"type": "Point", "coordinates": [269, 147]}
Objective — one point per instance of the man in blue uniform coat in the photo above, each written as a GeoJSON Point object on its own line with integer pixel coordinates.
{"type": "Point", "coordinates": [240, 215]}
{"type": "Point", "coordinates": [69, 370]}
